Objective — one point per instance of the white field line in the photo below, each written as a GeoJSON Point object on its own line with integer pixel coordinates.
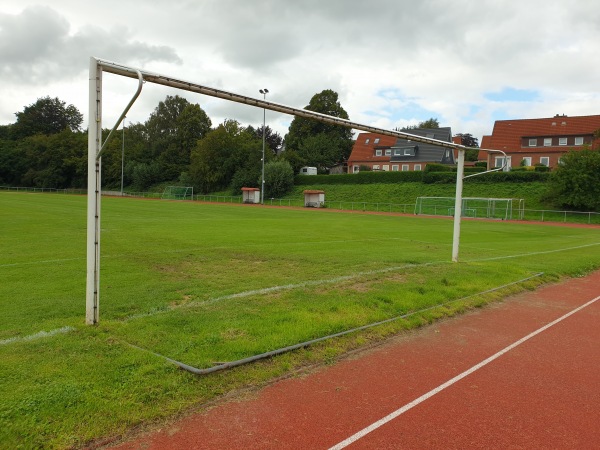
{"type": "Point", "coordinates": [38, 335]}
{"type": "Point", "coordinates": [545, 252]}
{"type": "Point", "coordinates": [362, 433]}
{"type": "Point", "coordinates": [284, 287]}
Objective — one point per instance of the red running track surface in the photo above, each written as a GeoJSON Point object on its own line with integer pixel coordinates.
{"type": "Point", "coordinates": [543, 393]}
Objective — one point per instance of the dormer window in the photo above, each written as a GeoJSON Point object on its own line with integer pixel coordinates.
{"type": "Point", "coordinates": [377, 152]}
{"type": "Point", "coordinates": [533, 142]}
{"type": "Point", "coordinates": [579, 141]}
{"type": "Point", "coordinates": [562, 141]}
{"type": "Point", "coordinates": [547, 142]}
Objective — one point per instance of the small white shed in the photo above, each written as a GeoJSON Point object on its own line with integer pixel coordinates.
{"type": "Point", "coordinates": [308, 171]}
{"type": "Point", "coordinates": [314, 199]}
{"type": "Point", "coordinates": [250, 195]}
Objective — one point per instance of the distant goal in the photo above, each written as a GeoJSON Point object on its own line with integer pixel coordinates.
{"type": "Point", "coordinates": [476, 207]}
{"type": "Point", "coordinates": [178, 193]}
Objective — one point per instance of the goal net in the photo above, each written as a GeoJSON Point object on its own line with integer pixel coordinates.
{"type": "Point", "coordinates": [178, 193]}
{"type": "Point", "coordinates": [476, 207]}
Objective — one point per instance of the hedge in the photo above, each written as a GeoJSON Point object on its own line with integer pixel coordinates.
{"type": "Point", "coordinates": [492, 177]}
{"type": "Point", "coordinates": [425, 177]}
{"type": "Point", "coordinates": [359, 178]}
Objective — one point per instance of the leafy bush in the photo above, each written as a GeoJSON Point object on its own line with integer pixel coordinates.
{"type": "Point", "coordinates": [245, 177]}
{"type": "Point", "coordinates": [279, 178]}
{"type": "Point", "coordinates": [576, 182]}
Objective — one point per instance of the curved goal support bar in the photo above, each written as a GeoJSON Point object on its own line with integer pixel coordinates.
{"type": "Point", "coordinates": [124, 114]}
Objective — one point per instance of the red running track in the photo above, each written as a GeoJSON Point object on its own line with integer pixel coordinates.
{"type": "Point", "coordinates": [542, 393]}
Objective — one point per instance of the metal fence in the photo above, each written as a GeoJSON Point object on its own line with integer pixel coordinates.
{"type": "Point", "coordinates": [538, 215]}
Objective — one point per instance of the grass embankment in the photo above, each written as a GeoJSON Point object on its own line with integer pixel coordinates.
{"type": "Point", "coordinates": [205, 283]}
{"type": "Point", "coordinates": [408, 192]}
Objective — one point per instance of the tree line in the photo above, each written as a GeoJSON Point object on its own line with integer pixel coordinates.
{"type": "Point", "coordinates": [47, 147]}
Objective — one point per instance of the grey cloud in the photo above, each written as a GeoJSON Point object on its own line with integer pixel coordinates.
{"type": "Point", "coordinates": [36, 47]}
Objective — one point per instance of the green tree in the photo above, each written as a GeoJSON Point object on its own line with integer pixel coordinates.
{"type": "Point", "coordinates": [473, 143]}
{"type": "Point", "coordinates": [320, 151]}
{"type": "Point", "coordinates": [46, 116]}
{"type": "Point", "coordinates": [273, 140]}
{"type": "Point", "coordinates": [13, 163]}
{"type": "Point", "coordinates": [279, 178]}
{"type": "Point", "coordinates": [429, 123]}
{"type": "Point", "coordinates": [172, 131]}
{"type": "Point", "coordinates": [339, 137]}
{"type": "Point", "coordinates": [55, 161]}
{"type": "Point", "coordinates": [575, 183]}
{"type": "Point", "coordinates": [223, 152]}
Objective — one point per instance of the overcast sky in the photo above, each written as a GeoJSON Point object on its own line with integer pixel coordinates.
{"type": "Point", "coordinates": [393, 62]}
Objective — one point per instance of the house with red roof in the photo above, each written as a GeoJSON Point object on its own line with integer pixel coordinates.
{"type": "Point", "coordinates": [388, 153]}
{"type": "Point", "coordinates": [528, 142]}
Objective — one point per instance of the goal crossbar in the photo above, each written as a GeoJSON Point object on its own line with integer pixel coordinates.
{"type": "Point", "coordinates": [98, 66]}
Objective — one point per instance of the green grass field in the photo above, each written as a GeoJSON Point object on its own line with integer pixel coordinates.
{"type": "Point", "coordinates": [204, 283]}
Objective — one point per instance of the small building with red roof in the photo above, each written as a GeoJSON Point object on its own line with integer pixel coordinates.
{"type": "Point", "coordinates": [388, 153]}
{"type": "Point", "coordinates": [528, 142]}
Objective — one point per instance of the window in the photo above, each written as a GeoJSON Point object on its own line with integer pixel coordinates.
{"type": "Point", "coordinates": [562, 141]}
{"type": "Point", "coordinates": [545, 160]}
{"type": "Point", "coordinates": [388, 152]}
{"type": "Point", "coordinates": [404, 167]}
{"type": "Point", "coordinates": [376, 141]}
{"type": "Point", "coordinates": [547, 142]}
{"type": "Point", "coordinates": [355, 169]}
{"type": "Point", "coordinates": [408, 152]}
{"type": "Point", "coordinates": [398, 152]}
{"type": "Point", "coordinates": [367, 141]}
{"type": "Point", "coordinates": [578, 141]}
{"type": "Point", "coordinates": [386, 167]}
{"type": "Point", "coordinates": [499, 161]}
{"type": "Point", "coordinates": [532, 142]}
{"type": "Point", "coordinates": [526, 161]}
{"type": "Point", "coordinates": [395, 168]}
{"type": "Point", "coordinates": [417, 167]}
{"type": "Point", "coordinates": [377, 152]}
{"type": "Point", "coordinates": [375, 166]}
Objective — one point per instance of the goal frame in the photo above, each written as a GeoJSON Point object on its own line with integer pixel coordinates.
{"type": "Point", "coordinates": [508, 205]}
{"type": "Point", "coordinates": [168, 196]}
{"type": "Point", "coordinates": [96, 147]}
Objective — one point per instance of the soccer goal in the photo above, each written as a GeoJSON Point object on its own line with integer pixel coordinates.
{"type": "Point", "coordinates": [97, 147]}
{"type": "Point", "coordinates": [476, 207]}
{"type": "Point", "coordinates": [178, 193]}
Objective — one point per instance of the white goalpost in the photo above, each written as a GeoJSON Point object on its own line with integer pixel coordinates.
{"type": "Point", "coordinates": [96, 147]}
{"type": "Point", "coordinates": [178, 193]}
{"type": "Point", "coordinates": [474, 207]}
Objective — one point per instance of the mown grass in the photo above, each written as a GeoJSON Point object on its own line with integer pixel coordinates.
{"type": "Point", "coordinates": [184, 280]}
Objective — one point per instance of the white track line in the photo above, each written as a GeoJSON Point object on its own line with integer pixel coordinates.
{"type": "Point", "coordinates": [362, 433]}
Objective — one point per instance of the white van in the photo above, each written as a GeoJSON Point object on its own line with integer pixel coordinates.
{"type": "Point", "coordinates": [308, 171]}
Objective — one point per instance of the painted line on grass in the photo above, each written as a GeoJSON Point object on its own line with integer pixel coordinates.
{"type": "Point", "coordinates": [38, 335]}
{"type": "Point", "coordinates": [267, 290]}
{"type": "Point", "coordinates": [362, 433]}
{"type": "Point", "coordinates": [545, 252]}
